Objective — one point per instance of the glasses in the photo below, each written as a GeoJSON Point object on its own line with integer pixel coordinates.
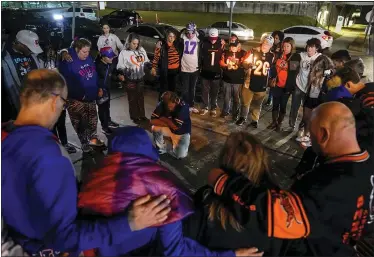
{"type": "Point", "coordinates": [65, 105]}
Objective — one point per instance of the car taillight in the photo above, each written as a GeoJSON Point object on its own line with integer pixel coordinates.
{"type": "Point", "coordinates": [325, 37]}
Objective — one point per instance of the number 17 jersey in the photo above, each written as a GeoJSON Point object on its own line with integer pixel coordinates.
{"type": "Point", "coordinates": [260, 70]}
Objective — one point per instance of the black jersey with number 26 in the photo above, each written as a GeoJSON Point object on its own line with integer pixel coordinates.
{"type": "Point", "coordinates": [260, 71]}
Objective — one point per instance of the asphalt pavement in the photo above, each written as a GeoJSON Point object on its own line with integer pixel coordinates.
{"type": "Point", "coordinates": [209, 134]}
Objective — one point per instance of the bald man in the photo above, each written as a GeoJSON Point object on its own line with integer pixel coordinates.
{"type": "Point", "coordinates": [329, 205]}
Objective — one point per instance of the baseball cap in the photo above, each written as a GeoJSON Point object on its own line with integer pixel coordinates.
{"type": "Point", "coordinates": [29, 39]}
{"type": "Point", "coordinates": [213, 33]}
{"type": "Point", "coordinates": [268, 40]}
{"type": "Point", "coordinates": [107, 52]}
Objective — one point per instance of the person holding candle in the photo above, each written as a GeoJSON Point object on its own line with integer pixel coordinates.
{"type": "Point", "coordinates": [233, 77]}
{"type": "Point", "coordinates": [254, 89]}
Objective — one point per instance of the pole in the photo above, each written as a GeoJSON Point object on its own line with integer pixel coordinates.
{"type": "Point", "coordinates": [73, 22]}
{"type": "Point", "coordinates": [369, 25]}
{"type": "Point", "coordinates": [231, 11]}
{"type": "Point", "coordinates": [330, 15]}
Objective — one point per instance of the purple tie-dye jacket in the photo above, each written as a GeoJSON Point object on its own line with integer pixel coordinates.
{"type": "Point", "coordinates": [125, 177]}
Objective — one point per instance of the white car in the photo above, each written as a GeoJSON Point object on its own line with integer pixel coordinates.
{"type": "Point", "coordinates": [240, 30]}
{"type": "Point", "coordinates": [82, 12]}
{"type": "Point", "coordinates": [301, 34]}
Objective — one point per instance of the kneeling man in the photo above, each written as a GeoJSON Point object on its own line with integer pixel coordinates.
{"type": "Point", "coordinates": [171, 118]}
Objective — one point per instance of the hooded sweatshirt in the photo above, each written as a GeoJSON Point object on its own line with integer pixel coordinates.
{"type": "Point", "coordinates": [112, 41]}
{"type": "Point", "coordinates": [81, 77]}
{"type": "Point", "coordinates": [39, 197]}
{"type": "Point", "coordinates": [130, 171]}
{"type": "Point", "coordinates": [305, 65]}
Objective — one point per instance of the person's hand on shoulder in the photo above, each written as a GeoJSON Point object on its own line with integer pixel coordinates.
{"type": "Point", "coordinates": [65, 56]}
{"type": "Point", "coordinates": [248, 252]}
{"type": "Point", "coordinates": [146, 212]}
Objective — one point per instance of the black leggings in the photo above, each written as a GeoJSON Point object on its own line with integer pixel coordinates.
{"type": "Point", "coordinates": [60, 128]}
{"type": "Point", "coordinates": [280, 99]}
{"type": "Point", "coordinates": [168, 82]}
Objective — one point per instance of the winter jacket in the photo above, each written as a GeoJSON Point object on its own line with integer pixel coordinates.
{"type": "Point", "coordinates": [306, 63]}
{"type": "Point", "coordinates": [130, 171]}
{"type": "Point", "coordinates": [211, 234]}
{"type": "Point", "coordinates": [103, 73]}
{"type": "Point", "coordinates": [293, 65]}
{"type": "Point", "coordinates": [318, 207]}
{"type": "Point", "coordinates": [163, 61]}
{"type": "Point", "coordinates": [39, 196]}
{"type": "Point", "coordinates": [81, 77]}
{"type": "Point", "coordinates": [10, 79]}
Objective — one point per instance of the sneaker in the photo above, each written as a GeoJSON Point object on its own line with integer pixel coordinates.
{"type": "Point", "coordinates": [254, 124]}
{"type": "Point", "coordinates": [107, 131]}
{"type": "Point", "coordinates": [241, 121]}
{"type": "Point", "coordinates": [303, 139]}
{"type": "Point", "coordinates": [113, 125]}
{"type": "Point", "coordinates": [213, 113]}
{"type": "Point", "coordinates": [235, 118]}
{"type": "Point", "coordinates": [96, 142]}
{"type": "Point", "coordinates": [194, 110]}
{"type": "Point", "coordinates": [203, 112]}
{"type": "Point", "coordinates": [306, 144]}
{"type": "Point", "coordinates": [224, 115]}
{"type": "Point", "coordinates": [70, 148]}
{"type": "Point", "coordinates": [289, 129]}
{"type": "Point", "coordinates": [86, 148]}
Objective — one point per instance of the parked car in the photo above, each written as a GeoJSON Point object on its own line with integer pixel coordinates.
{"type": "Point", "coordinates": [83, 28]}
{"type": "Point", "coordinates": [149, 34]}
{"type": "Point", "coordinates": [121, 18]}
{"type": "Point", "coordinates": [15, 20]}
{"type": "Point", "coordinates": [81, 12]}
{"type": "Point", "coordinates": [243, 32]}
{"type": "Point", "coordinates": [301, 34]}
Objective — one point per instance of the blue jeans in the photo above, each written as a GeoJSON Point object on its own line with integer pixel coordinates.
{"type": "Point", "coordinates": [189, 80]}
{"type": "Point", "coordinates": [298, 97]}
{"type": "Point", "coordinates": [180, 143]}
{"type": "Point", "coordinates": [231, 93]}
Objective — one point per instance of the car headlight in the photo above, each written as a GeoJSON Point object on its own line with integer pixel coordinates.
{"type": "Point", "coordinates": [57, 17]}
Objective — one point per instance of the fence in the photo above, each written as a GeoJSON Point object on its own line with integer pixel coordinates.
{"type": "Point", "coordinates": [291, 8]}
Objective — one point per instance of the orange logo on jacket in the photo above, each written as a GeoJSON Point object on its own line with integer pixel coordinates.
{"type": "Point", "coordinates": [289, 209]}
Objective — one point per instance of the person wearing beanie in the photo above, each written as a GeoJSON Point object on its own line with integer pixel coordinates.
{"type": "Point", "coordinates": [211, 53]}
{"type": "Point", "coordinates": [190, 64]}
{"type": "Point", "coordinates": [104, 62]}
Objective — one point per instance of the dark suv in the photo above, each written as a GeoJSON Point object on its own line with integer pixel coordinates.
{"type": "Point", "coordinates": [121, 18]}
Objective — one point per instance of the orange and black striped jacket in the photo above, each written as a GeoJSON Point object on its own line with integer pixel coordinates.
{"type": "Point", "coordinates": [173, 57]}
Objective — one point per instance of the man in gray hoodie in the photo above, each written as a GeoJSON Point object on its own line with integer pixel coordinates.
{"type": "Point", "coordinates": [18, 59]}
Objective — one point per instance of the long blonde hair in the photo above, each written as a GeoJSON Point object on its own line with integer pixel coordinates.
{"type": "Point", "coordinates": [242, 153]}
